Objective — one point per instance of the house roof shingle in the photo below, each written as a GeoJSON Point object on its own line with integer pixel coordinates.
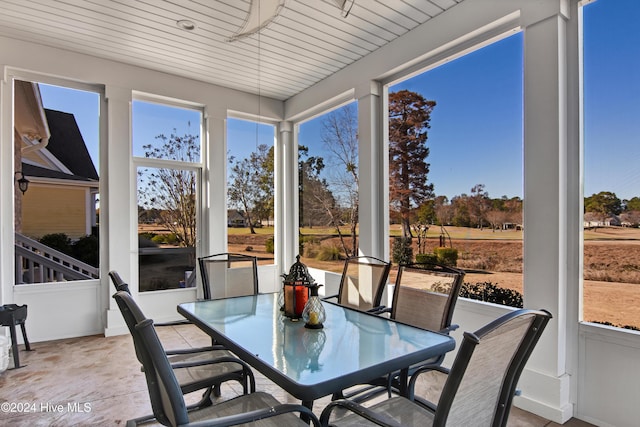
{"type": "Point", "coordinates": [68, 146]}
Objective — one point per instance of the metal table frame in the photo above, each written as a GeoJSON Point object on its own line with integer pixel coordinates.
{"type": "Point", "coordinates": [353, 348]}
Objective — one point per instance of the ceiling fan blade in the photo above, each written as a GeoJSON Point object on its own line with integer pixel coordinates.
{"type": "Point", "coordinates": [345, 6]}
{"type": "Point", "coordinates": [261, 14]}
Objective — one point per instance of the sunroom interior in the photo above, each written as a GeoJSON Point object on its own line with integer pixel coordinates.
{"type": "Point", "coordinates": [311, 58]}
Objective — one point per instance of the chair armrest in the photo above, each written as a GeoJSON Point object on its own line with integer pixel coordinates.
{"type": "Point", "coordinates": [427, 368]}
{"type": "Point", "coordinates": [259, 414]}
{"type": "Point", "coordinates": [356, 408]}
{"type": "Point", "coordinates": [195, 350]}
{"type": "Point", "coordinates": [412, 384]}
{"type": "Point", "coordinates": [379, 309]}
{"type": "Point", "coordinates": [449, 329]}
{"type": "Point", "coordinates": [328, 297]}
{"type": "Point", "coordinates": [223, 359]}
{"type": "Point", "coordinates": [174, 323]}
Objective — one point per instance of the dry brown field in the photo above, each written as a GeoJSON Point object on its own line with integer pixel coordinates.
{"type": "Point", "coordinates": [611, 266]}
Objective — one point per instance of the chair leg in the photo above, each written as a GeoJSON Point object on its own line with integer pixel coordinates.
{"type": "Point", "coordinates": [206, 398]}
{"type": "Point", "coordinates": [216, 390]}
{"type": "Point", "coordinates": [249, 382]}
{"type": "Point", "coordinates": [14, 346]}
{"type": "Point", "coordinates": [142, 420]}
{"type": "Point", "coordinates": [27, 346]}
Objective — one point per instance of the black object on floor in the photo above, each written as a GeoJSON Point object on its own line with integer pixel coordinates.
{"type": "Point", "coordinates": [12, 315]}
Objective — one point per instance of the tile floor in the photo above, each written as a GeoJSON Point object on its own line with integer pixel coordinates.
{"type": "Point", "coordinates": [96, 381]}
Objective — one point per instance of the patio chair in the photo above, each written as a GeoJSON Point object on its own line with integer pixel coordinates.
{"type": "Point", "coordinates": [168, 402]}
{"type": "Point", "coordinates": [121, 285]}
{"type": "Point", "coordinates": [228, 275]}
{"type": "Point", "coordinates": [195, 368]}
{"type": "Point", "coordinates": [479, 388]}
{"type": "Point", "coordinates": [362, 283]}
{"type": "Point", "coordinates": [117, 281]}
{"type": "Point", "coordinates": [424, 296]}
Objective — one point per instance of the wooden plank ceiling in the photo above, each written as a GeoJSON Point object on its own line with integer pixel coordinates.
{"type": "Point", "coordinates": [308, 40]}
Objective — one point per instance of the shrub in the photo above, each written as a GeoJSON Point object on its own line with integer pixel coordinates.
{"type": "Point", "coordinates": [158, 238]}
{"type": "Point", "coordinates": [147, 235]}
{"type": "Point", "coordinates": [269, 246]}
{"type": "Point", "coordinates": [169, 239]}
{"type": "Point", "coordinates": [402, 252]}
{"type": "Point", "coordinates": [447, 256]}
{"type": "Point", "coordinates": [488, 292]}
{"type": "Point", "coordinates": [328, 253]}
{"type": "Point", "coordinates": [86, 249]}
{"type": "Point", "coordinates": [306, 245]}
{"type": "Point", "coordinates": [249, 249]}
{"type": "Point", "coordinates": [57, 241]}
{"type": "Point", "coordinates": [310, 250]}
{"type": "Point", "coordinates": [428, 259]}
{"type": "Point", "coordinates": [143, 242]}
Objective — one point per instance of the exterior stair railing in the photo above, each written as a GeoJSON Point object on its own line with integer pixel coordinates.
{"type": "Point", "coordinates": [38, 263]}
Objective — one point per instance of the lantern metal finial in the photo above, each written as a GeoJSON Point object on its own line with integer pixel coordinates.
{"type": "Point", "coordinates": [299, 271]}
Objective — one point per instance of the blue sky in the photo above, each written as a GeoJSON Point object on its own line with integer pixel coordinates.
{"type": "Point", "coordinates": [476, 126]}
{"type": "Point", "coordinates": [611, 97]}
{"type": "Point", "coordinates": [150, 120]}
{"type": "Point", "coordinates": [84, 106]}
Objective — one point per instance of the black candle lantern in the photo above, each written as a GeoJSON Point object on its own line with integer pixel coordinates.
{"type": "Point", "coordinates": [296, 289]}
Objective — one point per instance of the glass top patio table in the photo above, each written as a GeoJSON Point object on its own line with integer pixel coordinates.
{"type": "Point", "coordinates": [352, 348]}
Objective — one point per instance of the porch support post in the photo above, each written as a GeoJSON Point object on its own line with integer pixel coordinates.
{"type": "Point", "coordinates": [552, 198]}
{"type": "Point", "coordinates": [372, 173]}
{"type": "Point", "coordinates": [214, 183]}
{"type": "Point", "coordinates": [286, 196]}
{"type": "Point", "coordinates": [121, 222]}
{"type": "Point", "coordinates": [7, 186]}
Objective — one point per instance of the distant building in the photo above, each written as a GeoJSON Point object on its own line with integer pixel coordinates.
{"type": "Point", "coordinates": [592, 219]}
{"type": "Point", "coordinates": [511, 226]}
{"type": "Point", "coordinates": [236, 218]}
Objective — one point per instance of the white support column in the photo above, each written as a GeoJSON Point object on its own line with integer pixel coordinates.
{"type": "Point", "coordinates": [286, 197]}
{"type": "Point", "coordinates": [7, 183]}
{"type": "Point", "coordinates": [372, 173]}
{"type": "Point", "coordinates": [215, 185]}
{"type": "Point", "coordinates": [548, 226]}
{"type": "Point", "coordinates": [118, 200]}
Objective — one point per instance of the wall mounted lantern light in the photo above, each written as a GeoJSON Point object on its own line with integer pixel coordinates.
{"type": "Point", "coordinates": [23, 183]}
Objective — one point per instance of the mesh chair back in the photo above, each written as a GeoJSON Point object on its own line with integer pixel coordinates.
{"type": "Point", "coordinates": [228, 275]}
{"type": "Point", "coordinates": [134, 316]}
{"type": "Point", "coordinates": [166, 396]}
{"type": "Point", "coordinates": [425, 296]}
{"type": "Point", "coordinates": [362, 282]}
{"type": "Point", "coordinates": [130, 310]}
{"type": "Point", "coordinates": [483, 378]}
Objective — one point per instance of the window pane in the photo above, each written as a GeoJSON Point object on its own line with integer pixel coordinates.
{"type": "Point", "coordinates": [250, 195]}
{"type": "Point", "coordinates": [166, 132]}
{"type": "Point", "coordinates": [455, 169]}
{"type": "Point", "coordinates": [56, 218]}
{"type": "Point", "coordinates": [611, 158]}
{"type": "Point", "coordinates": [166, 227]}
{"type": "Point", "coordinates": [167, 195]}
{"type": "Point", "coordinates": [328, 179]}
